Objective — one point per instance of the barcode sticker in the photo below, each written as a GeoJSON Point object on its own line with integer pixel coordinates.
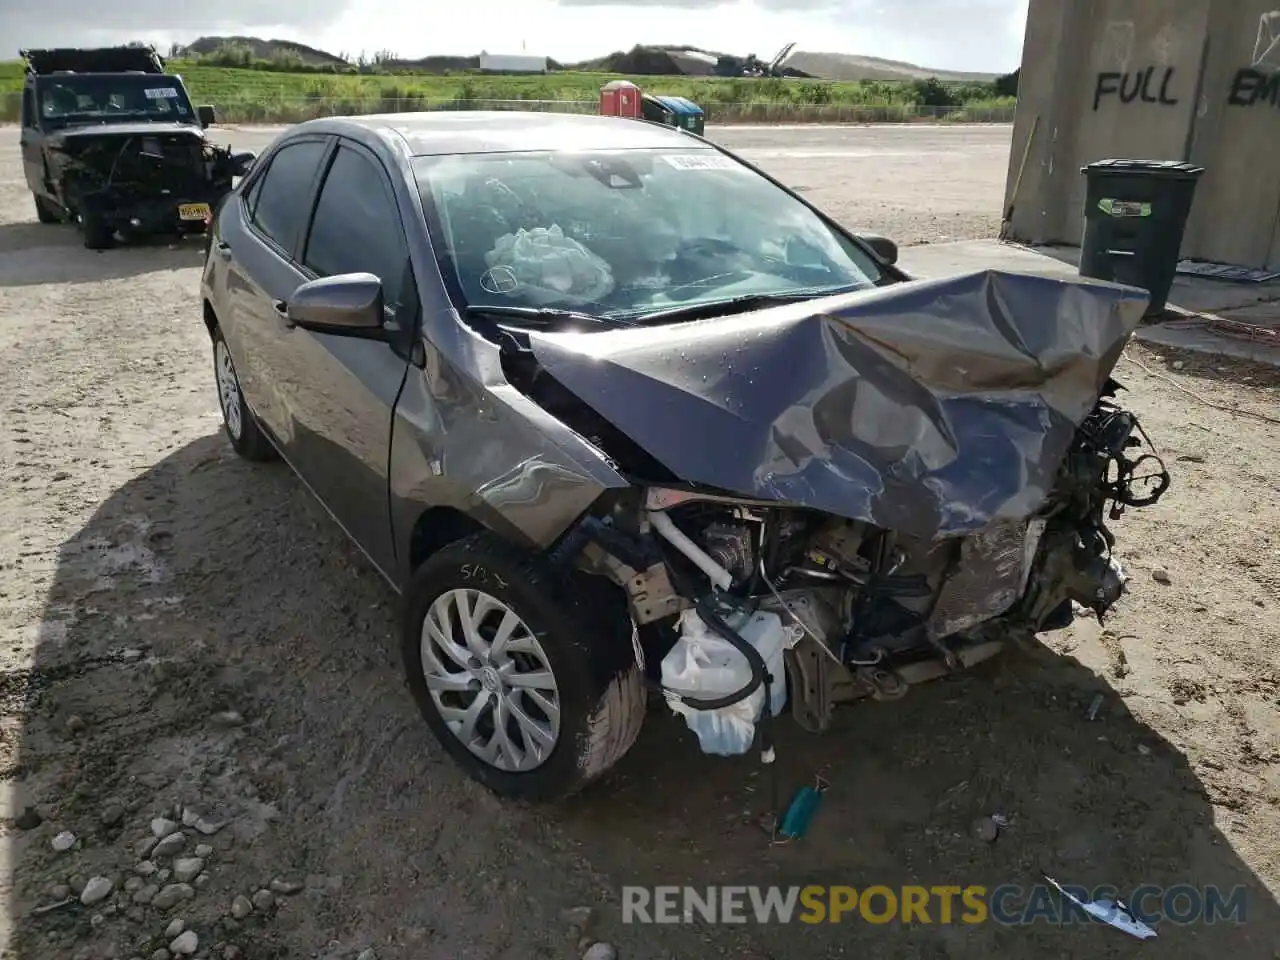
{"type": "Point", "coordinates": [162, 93]}
{"type": "Point", "coordinates": [701, 161]}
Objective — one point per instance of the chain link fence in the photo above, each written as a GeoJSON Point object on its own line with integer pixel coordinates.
{"type": "Point", "coordinates": [296, 110]}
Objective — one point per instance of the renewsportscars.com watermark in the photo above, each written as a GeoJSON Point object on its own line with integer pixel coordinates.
{"type": "Point", "coordinates": [1008, 904]}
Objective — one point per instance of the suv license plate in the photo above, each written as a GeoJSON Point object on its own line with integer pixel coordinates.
{"type": "Point", "coordinates": [193, 211]}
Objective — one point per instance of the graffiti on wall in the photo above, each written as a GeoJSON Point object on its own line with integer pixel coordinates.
{"type": "Point", "coordinates": [1118, 38]}
{"type": "Point", "coordinates": [1256, 84]}
{"type": "Point", "coordinates": [1259, 82]}
{"type": "Point", "coordinates": [1150, 85]}
{"type": "Point", "coordinates": [1250, 87]}
{"type": "Point", "coordinates": [1266, 49]}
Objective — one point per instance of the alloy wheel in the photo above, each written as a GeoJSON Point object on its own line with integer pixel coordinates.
{"type": "Point", "coordinates": [228, 389]}
{"type": "Point", "coordinates": [490, 680]}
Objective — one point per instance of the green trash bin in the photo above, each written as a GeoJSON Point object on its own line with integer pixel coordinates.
{"type": "Point", "coordinates": [673, 112]}
{"type": "Point", "coordinates": [1135, 214]}
{"type": "Point", "coordinates": [689, 115]}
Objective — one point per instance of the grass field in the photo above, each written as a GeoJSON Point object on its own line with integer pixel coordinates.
{"type": "Point", "coordinates": [245, 95]}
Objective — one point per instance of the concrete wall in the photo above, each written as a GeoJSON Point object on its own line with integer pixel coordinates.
{"type": "Point", "coordinates": [1191, 80]}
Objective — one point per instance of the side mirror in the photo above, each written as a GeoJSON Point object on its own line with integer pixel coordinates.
{"type": "Point", "coordinates": [241, 163]}
{"type": "Point", "coordinates": [882, 247]}
{"type": "Point", "coordinates": [348, 305]}
{"type": "Point", "coordinates": [205, 114]}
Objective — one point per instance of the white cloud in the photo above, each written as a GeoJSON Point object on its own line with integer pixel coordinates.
{"type": "Point", "coordinates": [984, 35]}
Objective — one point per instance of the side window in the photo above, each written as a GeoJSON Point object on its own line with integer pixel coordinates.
{"type": "Point", "coordinates": [279, 200]}
{"type": "Point", "coordinates": [357, 225]}
{"type": "Point", "coordinates": [251, 198]}
{"type": "Point", "coordinates": [28, 107]}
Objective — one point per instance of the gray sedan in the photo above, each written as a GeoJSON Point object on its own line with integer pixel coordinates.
{"type": "Point", "coordinates": [605, 403]}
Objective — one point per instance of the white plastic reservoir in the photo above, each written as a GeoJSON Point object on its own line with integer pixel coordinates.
{"type": "Point", "coordinates": [705, 666]}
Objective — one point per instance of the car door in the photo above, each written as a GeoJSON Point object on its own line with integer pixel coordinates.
{"type": "Point", "coordinates": [342, 390]}
{"type": "Point", "coordinates": [259, 245]}
{"type": "Point", "coordinates": [31, 139]}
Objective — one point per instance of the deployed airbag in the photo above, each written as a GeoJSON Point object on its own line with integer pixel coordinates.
{"type": "Point", "coordinates": [932, 407]}
{"type": "Point", "coordinates": [545, 266]}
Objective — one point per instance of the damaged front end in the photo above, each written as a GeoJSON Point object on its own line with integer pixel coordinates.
{"type": "Point", "coordinates": [865, 612]}
{"type": "Point", "coordinates": [141, 181]}
{"type": "Point", "coordinates": [884, 491]}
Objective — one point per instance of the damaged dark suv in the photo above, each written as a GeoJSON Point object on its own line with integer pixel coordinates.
{"type": "Point", "coordinates": [112, 143]}
{"type": "Point", "coordinates": [601, 400]}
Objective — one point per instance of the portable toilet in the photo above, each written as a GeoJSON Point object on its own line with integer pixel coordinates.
{"type": "Point", "coordinates": [620, 98]}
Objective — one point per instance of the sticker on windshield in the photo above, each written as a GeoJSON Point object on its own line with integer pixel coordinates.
{"type": "Point", "coordinates": [700, 161]}
{"type": "Point", "coordinates": [162, 93]}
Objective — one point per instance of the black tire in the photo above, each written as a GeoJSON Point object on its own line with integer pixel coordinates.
{"type": "Point", "coordinates": [98, 234]}
{"type": "Point", "coordinates": [239, 424]}
{"type": "Point", "coordinates": [46, 210]}
{"type": "Point", "coordinates": [582, 627]}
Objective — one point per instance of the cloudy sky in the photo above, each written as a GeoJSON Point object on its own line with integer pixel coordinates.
{"type": "Point", "coordinates": [984, 35]}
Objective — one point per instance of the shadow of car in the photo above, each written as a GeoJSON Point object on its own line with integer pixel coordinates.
{"type": "Point", "coordinates": [32, 254]}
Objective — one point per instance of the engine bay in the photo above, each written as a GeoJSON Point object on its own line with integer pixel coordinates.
{"type": "Point", "coordinates": [868, 612]}
{"type": "Point", "coordinates": [133, 166]}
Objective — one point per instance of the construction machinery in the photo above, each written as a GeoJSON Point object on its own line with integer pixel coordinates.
{"type": "Point", "coordinates": [753, 66]}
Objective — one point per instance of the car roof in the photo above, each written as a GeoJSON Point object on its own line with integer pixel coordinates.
{"type": "Point", "coordinates": [506, 131]}
{"type": "Point", "coordinates": [111, 74]}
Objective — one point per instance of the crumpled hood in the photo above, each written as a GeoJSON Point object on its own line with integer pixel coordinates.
{"type": "Point", "coordinates": [81, 133]}
{"type": "Point", "coordinates": [930, 407]}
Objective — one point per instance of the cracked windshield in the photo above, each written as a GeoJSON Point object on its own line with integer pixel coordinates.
{"type": "Point", "coordinates": [627, 234]}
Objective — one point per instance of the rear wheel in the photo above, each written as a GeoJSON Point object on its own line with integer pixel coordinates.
{"type": "Point", "coordinates": [241, 428]}
{"type": "Point", "coordinates": [46, 210]}
{"type": "Point", "coordinates": [526, 673]}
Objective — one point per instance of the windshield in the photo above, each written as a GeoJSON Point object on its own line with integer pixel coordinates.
{"type": "Point", "coordinates": [627, 233]}
{"type": "Point", "coordinates": [80, 98]}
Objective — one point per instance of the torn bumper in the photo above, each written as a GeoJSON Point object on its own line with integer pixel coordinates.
{"type": "Point", "coordinates": [187, 212]}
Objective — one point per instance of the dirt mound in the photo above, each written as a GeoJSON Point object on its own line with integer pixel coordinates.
{"type": "Point", "coordinates": [646, 61]}
{"type": "Point", "coordinates": [266, 49]}
{"type": "Point", "coordinates": [844, 66]}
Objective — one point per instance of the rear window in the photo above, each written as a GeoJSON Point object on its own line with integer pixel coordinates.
{"type": "Point", "coordinates": [622, 233]}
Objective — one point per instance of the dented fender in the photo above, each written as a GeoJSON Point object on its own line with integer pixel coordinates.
{"type": "Point", "coordinates": [477, 445]}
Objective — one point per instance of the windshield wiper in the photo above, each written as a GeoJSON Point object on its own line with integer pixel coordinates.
{"type": "Point", "coordinates": [541, 316]}
{"type": "Point", "coordinates": [744, 303]}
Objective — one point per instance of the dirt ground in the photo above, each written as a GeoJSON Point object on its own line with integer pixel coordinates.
{"type": "Point", "coordinates": [188, 636]}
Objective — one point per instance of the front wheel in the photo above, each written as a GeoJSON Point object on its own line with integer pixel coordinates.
{"type": "Point", "coordinates": [242, 429]}
{"type": "Point", "coordinates": [98, 234]}
{"type": "Point", "coordinates": [46, 210]}
{"type": "Point", "coordinates": [527, 674]}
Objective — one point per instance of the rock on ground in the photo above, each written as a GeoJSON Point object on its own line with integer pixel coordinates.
{"type": "Point", "coordinates": [185, 944]}
{"type": "Point", "coordinates": [96, 890]}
